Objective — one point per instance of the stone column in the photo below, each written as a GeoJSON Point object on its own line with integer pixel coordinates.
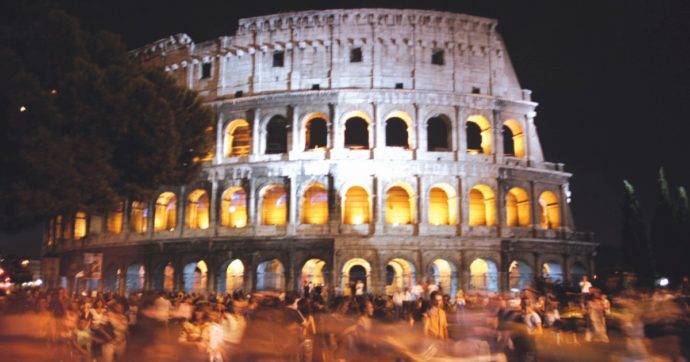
{"type": "Point", "coordinates": [295, 131]}
{"type": "Point", "coordinates": [253, 220]}
{"type": "Point", "coordinates": [181, 211]}
{"type": "Point", "coordinates": [423, 200]}
{"type": "Point", "coordinates": [292, 205]}
{"type": "Point", "coordinates": [498, 136]}
{"type": "Point", "coordinates": [220, 136]}
{"type": "Point", "coordinates": [378, 204]}
{"type": "Point", "coordinates": [256, 134]}
{"type": "Point", "coordinates": [214, 206]}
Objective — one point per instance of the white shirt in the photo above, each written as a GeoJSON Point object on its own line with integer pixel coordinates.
{"type": "Point", "coordinates": [585, 286]}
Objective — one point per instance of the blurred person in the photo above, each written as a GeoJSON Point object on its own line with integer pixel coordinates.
{"type": "Point", "coordinates": [597, 320]}
{"type": "Point", "coordinates": [118, 319]}
{"type": "Point", "coordinates": [359, 288]}
{"type": "Point", "coordinates": [398, 301]}
{"type": "Point", "coordinates": [435, 321]}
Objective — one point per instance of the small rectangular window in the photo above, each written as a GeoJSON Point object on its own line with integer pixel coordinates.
{"type": "Point", "coordinates": [398, 86]}
{"type": "Point", "coordinates": [278, 58]}
{"type": "Point", "coordinates": [206, 70]}
{"type": "Point", "coordinates": [239, 94]}
{"type": "Point", "coordinates": [437, 57]}
{"type": "Point", "coordinates": [315, 87]}
{"type": "Point", "coordinates": [356, 55]}
{"type": "Point", "coordinates": [476, 90]}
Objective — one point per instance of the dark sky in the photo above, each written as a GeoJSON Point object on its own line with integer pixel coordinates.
{"type": "Point", "coordinates": [612, 79]}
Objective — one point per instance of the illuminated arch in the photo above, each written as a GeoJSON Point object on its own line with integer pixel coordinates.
{"type": "Point", "coordinates": [483, 275]}
{"type": "Point", "coordinates": [165, 217]}
{"type": "Point", "coordinates": [513, 139]}
{"type": "Point", "coordinates": [398, 126]}
{"type": "Point", "coordinates": [438, 134]}
{"type": "Point", "coordinates": [313, 272]}
{"type": "Point", "coordinates": [315, 131]}
{"type": "Point", "coordinates": [353, 270]}
{"type": "Point", "coordinates": [400, 205]}
{"type": "Point", "coordinates": [442, 205]}
{"type": "Point", "coordinates": [231, 277]}
{"type": "Point", "coordinates": [197, 215]}
{"type": "Point", "coordinates": [115, 219]}
{"type": "Point", "coordinates": [139, 217]}
{"type": "Point", "coordinates": [315, 205]}
{"type": "Point", "coordinates": [550, 211]}
{"type": "Point", "coordinates": [478, 132]}
{"type": "Point", "coordinates": [356, 130]}
{"type": "Point", "coordinates": [552, 271]}
{"type": "Point", "coordinates": [445, 275]}
{"type": "Point", "coordinates": [80, 225]}
{"type": "Point", "coordinates": [520, 275]}
{"type": "Point", "coordinates": [356, 207]}
{"type": "Point", "coordinates": [482, 206]}
{"type": "Point", "coordinates": [270, 275]}
{"type": "Point", "coordinates": [517, 208]}
{"type": "Point", "coordinates": [237, 139]}
{"type": "Point", "coordinates": [233, 207]}
{"type": "Point", "coordinates": [195, 276]}
{"type": "Point", "coordinates": [274, 205]}
{"type": "Point", "coordinates": [400, 274]}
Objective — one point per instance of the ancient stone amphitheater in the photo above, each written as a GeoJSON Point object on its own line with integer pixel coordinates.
{"type": "Point", "coordinates": [387, 146]}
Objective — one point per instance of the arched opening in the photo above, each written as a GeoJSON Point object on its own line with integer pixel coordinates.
{"type": "Point", "coordinates": [165, 217]}
{"type": "Point", "coordinates": [356, 133]}
{"type": "Point", "coordinates": [195, 276]}
{"type": "Point", "coordinates": [276, 135]}
{"type": "Point", "coordinates": [482, 206]}
{"type": "Point", "coordinates": [442, 205]}
{"type": "Point", "coordinates": [136, 274]}
{"type": "Point", "coordinates": [577, 271]}
{"type": "Point", "coordinates": [354, 270]}
{"type": "Point", "coordinates": [356, 206]}
{"type": "Point", "coordinates": [550, 212]}
{"type": "Point", "coordinates": [399, 206]}
{"type": "Point", "coordinates": [400, 274]}
{"type": "Point", "coordinates": [233, 208]}
{"type": "Point", "coordinates": [315, 205]}
{"type": "Point", "coordinates": [238, 140]}
{"type": "Point", "coordinates": [316, 134]}
{"type": "Point", "coordinates": [483, 275]}
{"type": "Point", "coordinates": [80, 225]}
{"type": "Point", "coordinates": [274, 206]}
{"type": "Point", "coordinates": [478, 132]}
{"type": "Point", "coordinates": [438, 134]}
{"type": "Point", "coordinates": [197, 210]}
{"type": "Point", "coordinates": [115, 219]}
{"type": "Point", "coordinates": [520, 275]}
{"type": "Point", "coordinates": [112, 279]}
{"type": "Point", "coordinates": [270, 275]}
{"type": "Point", "coordinates": [396, 133]}
{"type": "Point", "coordinates": [164, 277]}
{"type": "Point", "coordinates": [445, 275]}
{"type": "Point", "coordinates": [313, 272]}
{"type": "Point", "coordinates": [139, 217]}
{"type": "Point", "coordinates": [552, 271]}
{"type": "Point", "coordinates": [517, 208]}
{"type": "Point", "coordinates": [234, 277]}
{"type": "Point", "coordinates": [513, 139]}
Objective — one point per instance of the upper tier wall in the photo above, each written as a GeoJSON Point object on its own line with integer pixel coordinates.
{"type": "Point", "coordinates": [396, 51]}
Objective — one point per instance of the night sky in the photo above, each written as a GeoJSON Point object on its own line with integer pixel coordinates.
{"type": "Point", "coordinates": [612, 79]}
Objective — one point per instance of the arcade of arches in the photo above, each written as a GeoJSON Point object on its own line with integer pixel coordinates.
{"type": "Point", "coordinates": [482, 274]}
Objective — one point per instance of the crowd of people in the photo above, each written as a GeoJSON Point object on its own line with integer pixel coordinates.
{"type": "Point", "coordinates": [420, 323]}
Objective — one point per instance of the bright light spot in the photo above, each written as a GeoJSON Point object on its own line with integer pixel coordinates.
{"type": "Point", "coordinates": [8, 279]}
{"type": "Point", "coordinates": [232, 209]}
{"type": "Point", "coordinates": [357, 220]}
{"type": "Point", "coordinates": [53, 91]}
{"type": "Point", "coordinates": [2, 271]}
{"type": "Point", "coordinates": [22, 109]}
{"type": "Point", "coordinates": [25, 263]}
{"type": "Point", "coordinates": [663, 282]}
{"type": "Point", "coordinates": [38, 282]}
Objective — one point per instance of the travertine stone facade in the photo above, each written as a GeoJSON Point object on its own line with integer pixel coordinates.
{"type": "Point", "coordinates": [378, 65]}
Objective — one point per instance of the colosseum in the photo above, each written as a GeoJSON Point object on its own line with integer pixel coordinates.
{"type": "Point", "coordinates": [374, 145]}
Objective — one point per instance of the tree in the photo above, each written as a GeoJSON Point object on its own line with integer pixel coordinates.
{"type": "Point", "coordinates": [683, 226]}
{"type": "Point", "coordinates": [636, 252]}
{"type": "Point", "coordinates": [663, 233]}
{"type": "Point", "coordinates": [83, 125]}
